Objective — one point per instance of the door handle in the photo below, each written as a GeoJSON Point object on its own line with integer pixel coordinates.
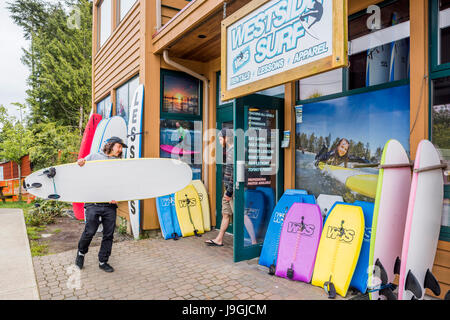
{"type": "Point", "coordinates": [240, 172]}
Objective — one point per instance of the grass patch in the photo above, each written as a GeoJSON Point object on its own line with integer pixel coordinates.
{"type": "Point", "coordinates": [34, 232]}
{"type": "Point", "coordinates": [38, 249]}
{"type": "Point", "coordinates": [56, 231]}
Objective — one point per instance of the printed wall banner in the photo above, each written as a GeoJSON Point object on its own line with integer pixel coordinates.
{"type": "Point", "coordinates": [341, 140]}
{"type": "Point", "coordinates": [271, 42]}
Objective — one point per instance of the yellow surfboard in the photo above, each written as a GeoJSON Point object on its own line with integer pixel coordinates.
{"type": "Point", "coordinates": [339, 248]}
{"type": "Point", "coordinates": [203, 195]}
{"type": "Point", "coordinates": [189, 211]}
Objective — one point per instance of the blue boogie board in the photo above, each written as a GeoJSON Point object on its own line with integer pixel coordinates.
{"type": "Point", "coordinates": [269, 250]}
{"type": "Point", "coordinates": [165, 206]}
{"type": "Point", "coordinates": [269, 200]}
{"type": "Point", "coordinates": [360, 276]}
{"type": "Point", "coordinates": [254, 209]}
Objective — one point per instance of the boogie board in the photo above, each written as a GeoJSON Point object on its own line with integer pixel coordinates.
{"type": "Point", "coordinates": [389, 216]}
{"type": "Point", "coordinates": [360, 276]}
{"type": "Point", "coordinates": [134, 144]}
{"type": "Point", "coordinates": [254, 209]}
{"type": "Point", "coordinates": [176, 150]}
{"type": "Point", "coordinates": [423, 223]}
{"type": "Point", "coordinates": [269, 200]}
{"type": "Point", "coordinates": [300, 235]}
{"type": "Point", "coordinates": [339, 249]}
{"type": "Point", "coordinates": [189, 211]}
{"type": "Point", "coordinates": [167, 215]}
{"type": "Point", "coordinates": [134, 179]}
{"type": "Point", "coordinates": [326, 202]}
{"type": "Point", "coordinates": [269, 250]}
{"type": "Point", "coordinates": [85, 148]}
{"type": "Point", "coordinates": [203, 195]}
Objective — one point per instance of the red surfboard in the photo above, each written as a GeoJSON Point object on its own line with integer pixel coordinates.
{"type": "Point", "coordinates": [85, 149]}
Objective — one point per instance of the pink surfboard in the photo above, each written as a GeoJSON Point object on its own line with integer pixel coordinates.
{"type": "Point", "coordinates": [389, 217]}
{"type": "Point", "coordinates": [423, 225]}
{"type": "Point", "coordinates": [176, 150]}
{"type": "Point", "coordinates": [85, 149]}
{"type": "Point", "coordinates": [299, 240]}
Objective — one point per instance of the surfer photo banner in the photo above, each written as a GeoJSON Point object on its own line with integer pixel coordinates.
{"type": "Point", "coordinates": [270, 42]}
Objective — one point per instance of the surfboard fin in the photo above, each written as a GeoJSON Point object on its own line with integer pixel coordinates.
{"type": "Point", "coordinates": [290, 272]}
{"type": "Point", "coordinates": [54, 196]}
{"type": "Point", "coordinates": [387, 292]}
{"type": "Point", "coordinates": [272, 269]}
{"type": "Point", "coordinates": [447, 295]}
{"type": "Point", "coordinates": [197, 234]}
{"type": "Point", "coordinates": [330, 289]}
{"type": "Point", "coordinates": [383, 273]}
{"type": "Point", "coordinates": [397, 266]}
{"type": "Point", "coordinates": [431, 283]}
{"type": "Point", "coordinates": [50, 172]}
{"type": "Point", "coordinates": [175, 236]}
{"type": "Point", "coordinates": [413, 285]}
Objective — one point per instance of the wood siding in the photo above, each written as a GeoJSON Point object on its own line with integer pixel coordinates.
{"type": "Point", "coordinates": [118, 60]}
{"type": "Point", "coordinates": [11, 170]}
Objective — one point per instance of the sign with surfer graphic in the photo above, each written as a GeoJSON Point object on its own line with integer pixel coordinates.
{"type": "Point", "coordinates": [268, 43]}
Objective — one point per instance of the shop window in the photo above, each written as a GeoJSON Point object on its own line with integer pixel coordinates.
{"type": "Point", "coordinates": [124, 95]}
{"type": "Point", "coordinates": [320, 85]}
{"type": "Point", "coordinates": [277, 92]}
{"type": "Point", "coordinates": [104, 18]}
{"type": "Point", "coordinates": [181, 94]}
{"type": "Point", "coordinates": [379, 45]}
{"type": "Point", "coordinates": [444, 32]}
{"type": "Point", "coordinates": [182, 140]}
{"type": "Point", "coordinates": [124, 7]}
{"type": "Point", "coordinates": [104, 107]}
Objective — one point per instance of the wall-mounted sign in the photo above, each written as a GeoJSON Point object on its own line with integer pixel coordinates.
{"type": "Point", "coordinates": [270, 42]}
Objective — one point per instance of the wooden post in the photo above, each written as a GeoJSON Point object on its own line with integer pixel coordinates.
{"type": "Point", "coordinates": [289, 124]}
{"type": "Point", "coordinates": [419, 73]}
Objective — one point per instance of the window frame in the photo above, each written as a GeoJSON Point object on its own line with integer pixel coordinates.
{"type": "Point", "coordinates": [434, 38]}
{"type": "Point", "coordinates": [118, 6]}
{"type": "Point", "coordinates": [346, 73]}
{"type": "Point", "coordinates": [436, 71]}
{"type": "Point", "coordinates": [99, 24]}
{"type": "Point", "coordinates": [179, 116]}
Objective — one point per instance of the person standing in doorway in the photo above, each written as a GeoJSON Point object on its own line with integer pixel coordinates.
{"type": "Point", "coordinates": [226, 141]}
{"type": "Point", "coordinates": [106, 211]}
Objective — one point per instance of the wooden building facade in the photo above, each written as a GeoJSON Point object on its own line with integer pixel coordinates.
{"type": "Point", "coordinates": [142, 41]}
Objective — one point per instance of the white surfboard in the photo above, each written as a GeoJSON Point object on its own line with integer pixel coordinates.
{"type": "Point", "coordinates": [98, 135]}
{"type": "Point", "coordinates": [389, 216]}
{"type": "Point", "coordinates": [326, 201]}
{"type": "Point", "coordinates": [399, 60]}
{"type": "Point", "coordinates": [378, 62]}
{"type": "Point", "coordinates": [134, 151]}
{"type": "Point", "coordinates": [423, 223]}
{"type": "Point", "coordinates": [107, 180]}
{"type": "Point", "coordinates": [115, 127]}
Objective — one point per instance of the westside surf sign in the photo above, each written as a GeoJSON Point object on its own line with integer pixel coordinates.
{"type": "Point", "coordinates": [278, 40]}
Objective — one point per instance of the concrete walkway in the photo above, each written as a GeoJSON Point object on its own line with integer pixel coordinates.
{"type": "Point", "coordinates": [168, 270]}
{"type": "Point", "coordinates": [17, 277]}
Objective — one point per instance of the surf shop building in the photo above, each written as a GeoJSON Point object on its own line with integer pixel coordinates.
{"type": "Point", "coordinates": [294, 84]}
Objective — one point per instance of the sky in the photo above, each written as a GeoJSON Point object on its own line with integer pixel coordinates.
{"type": "Point", "coordinates": [13, 74]}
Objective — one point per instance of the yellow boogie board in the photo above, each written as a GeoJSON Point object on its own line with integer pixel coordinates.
{"type": "Point", "coordinates": [339, 247]}
{"type": "Point", "coordinates": [203, 195]}
{"type": "Point", "coordinates": [189, 211]}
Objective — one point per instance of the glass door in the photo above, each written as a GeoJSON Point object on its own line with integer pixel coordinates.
{"type": "Point", "coordinates": [258, 174]}
{"type": "Point", "coordinates": [224, 121]}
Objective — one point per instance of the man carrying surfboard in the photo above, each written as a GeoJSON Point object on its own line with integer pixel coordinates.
{"type": "Point", "coordinates": [107, 211]}
{"type": "Point", "coordinates": [227, 200]}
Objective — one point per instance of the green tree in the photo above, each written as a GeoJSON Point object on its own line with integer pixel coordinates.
{"type": "Point", "coordinates": [60, 60]}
